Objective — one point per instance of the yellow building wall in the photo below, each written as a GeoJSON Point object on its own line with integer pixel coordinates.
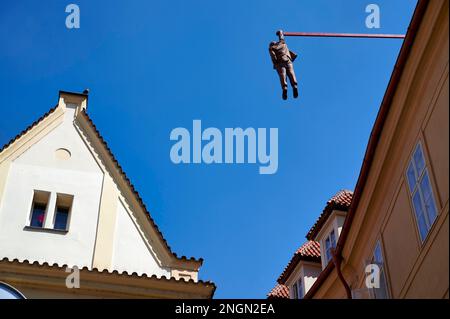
{"type": "Point", "coordinates": [416, 269]}
{"type": "Point", "coordinates": [419, 112]}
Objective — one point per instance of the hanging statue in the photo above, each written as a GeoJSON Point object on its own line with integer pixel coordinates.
{"type": "Point", "coordinates": [282, 60]}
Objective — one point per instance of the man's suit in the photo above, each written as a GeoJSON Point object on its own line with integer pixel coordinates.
{"type": "Point", "coordinates": [282, 60]}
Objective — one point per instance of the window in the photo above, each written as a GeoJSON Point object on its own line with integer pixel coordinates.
{"type": "Point", "coordinates": [421, 192]}
{"type": "Point", "coordinates": [58, 211]}
{"type": "Point", "coordinates": [39, 209]}
{"type": "Point", "coordinates": [295, 290]}
{"type": "Point", "coordinates": [330, 243]}
{"type": "Point", "coordinates": [300, 289]}
{"type": "Point", "coordinates": [377, 258]}
{"type": "Point", "coordinates": [38, 215]}
{"type": "Point", "coordinates": [63, 205]}
{"type": "Point", "coordinates": [61, 218]}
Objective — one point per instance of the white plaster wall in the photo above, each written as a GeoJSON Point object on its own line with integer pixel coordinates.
{"type": "Point", "coordinates": [310, 274]}
{"type": "Point", "coordinates": [308, 271]}
{"type": "Point", "coordinates": [39, 169]}
{"type": "Point", "coordinates": [334, 222]}
{"type": "Point", "coordinates": [340, 223]}
{"type": "Point", "coordinates": [130, 252]}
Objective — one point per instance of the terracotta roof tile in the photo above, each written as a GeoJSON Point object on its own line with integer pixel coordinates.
{"type": "Point", "coordinates": [340, 201]}
{"type": "Point", "coordinates": [279, 291]}
{"type": "Point", "coordinates": [309, 251]}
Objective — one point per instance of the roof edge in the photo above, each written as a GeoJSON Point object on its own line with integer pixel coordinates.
{"type": "Point", "coordinates": [293, 264]}
{"type": "Point", "coordinates": [198, 262]}
{"type": "Point", "coordinates": [326, 212]}
{"type": "Point", "coordinates": [96, 271]}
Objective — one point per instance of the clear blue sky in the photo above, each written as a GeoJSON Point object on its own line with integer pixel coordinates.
{"type": "Point", "coordinates": [156, 65]}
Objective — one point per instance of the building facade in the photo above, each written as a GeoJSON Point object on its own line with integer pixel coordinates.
{"type": "Point", "coordinates": [313, 256]}
{"type": "Point", "coordinates": [67, 205]}
{"type": "Point", "coordinates": [393, 242]}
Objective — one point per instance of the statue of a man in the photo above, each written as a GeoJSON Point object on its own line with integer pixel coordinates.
{"type": "Point", "coordinates": [282, 60]}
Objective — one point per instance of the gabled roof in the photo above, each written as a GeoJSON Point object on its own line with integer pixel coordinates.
{"type": "Point", "coordinates": [340, 201]}
{"type": "Point", "coordinates": [279, 292]}
{"type": "Point", "coordinates": [84, 114]}
{"type": "Point", "coordinates": [309, 251]}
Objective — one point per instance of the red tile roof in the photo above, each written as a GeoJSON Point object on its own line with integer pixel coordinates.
{"type": "Point", "coordinates": [340, 201]}
{"type": "Point", "coordinates": [279, 292]}
{"type": "Point", "coordinates": [309, 251]}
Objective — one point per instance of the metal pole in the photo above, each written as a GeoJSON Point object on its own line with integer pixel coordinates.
{"type": "Point", "coordinates": [344, 35]}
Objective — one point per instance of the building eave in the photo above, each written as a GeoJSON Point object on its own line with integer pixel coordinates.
{"type": "Point", "coordinates": [101, 283]}
{"type": "Point", "coordinates": [312, 255]}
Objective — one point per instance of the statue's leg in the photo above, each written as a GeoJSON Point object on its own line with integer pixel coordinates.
{"type": "Point", "coordinates": [283, 80]}
{"type": "Point", "coordinates": [292, 78]}
{"type": "Point", "coordinates": [291, 74]}
{"type": "Point", "coordinates": [282, 74]}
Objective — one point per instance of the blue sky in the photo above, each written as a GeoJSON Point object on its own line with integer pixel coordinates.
{"type": "Point", "coordinates": [156, 65]}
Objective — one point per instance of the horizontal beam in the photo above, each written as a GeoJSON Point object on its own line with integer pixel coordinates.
{"type": "Point", "coordinates": [344, 35]}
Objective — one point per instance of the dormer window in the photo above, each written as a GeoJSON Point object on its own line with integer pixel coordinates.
{"type": "Point", "coordinates": [302, 270]}
{"type": "Point", "coordinates": [328, 227]}
{"type": "Point", "coordinates": [330, 243]}
{"type": "Point", "coordinates": [298, 289]}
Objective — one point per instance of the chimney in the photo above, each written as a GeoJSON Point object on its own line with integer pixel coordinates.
{"type": "Point", "coordinates": [75, 100]}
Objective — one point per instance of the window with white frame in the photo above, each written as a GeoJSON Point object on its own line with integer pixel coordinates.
{"type": "Point", "coordinates": [382, 291]}
{"type": "Point", "coordinates": [41, 207]}
{"type": "Point", "coordinates": [421, 192]}
{"type": "Point", "coordinates": [298, 289]}
{"type": "Point", "coordinates": [329, 244]}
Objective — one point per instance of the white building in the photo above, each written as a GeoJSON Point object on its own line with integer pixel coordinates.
{"type": "Point", "coordinates": [65, 202]}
